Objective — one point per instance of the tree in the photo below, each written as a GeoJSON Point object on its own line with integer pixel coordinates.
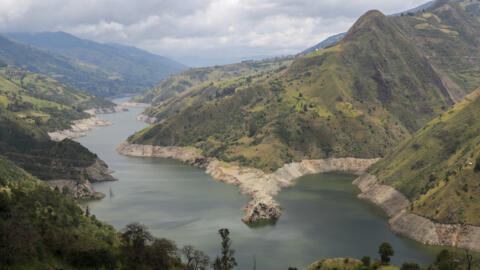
{"type": "Point", "coordinates": [445, 260]}
{"type": "Point", "coordinates": [226, 261]}
{"type": "Point", "coordinates": [366, 260]}
{"type": "Point", "coordinates": [160, 254]}
{"type": "Point", "coordinates": [87, 211]}
{"type": "Point", "coordinates": [135, 237]}
{"type": "Point", "coordinates": [196, 260]}
{"type": "Point", "coordinates": [386, 251]}
{"type": "Point", "coordinates": [468, 259]}
{"type": "Point", "coordinates": [477, 164]}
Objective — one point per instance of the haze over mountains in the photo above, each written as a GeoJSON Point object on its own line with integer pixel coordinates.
{"type": "Point", "coordinates": [102, 69]}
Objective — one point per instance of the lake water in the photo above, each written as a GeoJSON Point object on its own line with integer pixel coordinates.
{"type": "Point", "coordinates": [322, 216]}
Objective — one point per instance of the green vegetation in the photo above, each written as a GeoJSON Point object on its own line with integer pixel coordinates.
{"type": "Point", "coordinates": [30, 148]}
{"type": "Point", "coordinates": [42, 229]}
{"type": "Point", "coordinates": [42, 101]}
{"type": "Point", "coordinates": [448, 36]}
{"type": "Point", "coordinates": [356, 99]}
{"type": "Point", "coordinates": [445, 260]}
{"type": "Point", "coordinates": [435, 169]}
{"type": "Point", "coordinates": [115, 68]}
{"type": "Point", "coordinates": [82, 75]}
{"type": "Point", "coordinates": [31, 105]}
{"type": "Point", "coordinates": [197, 77]}
{"type": "Point", "coordinates": [386, 251]}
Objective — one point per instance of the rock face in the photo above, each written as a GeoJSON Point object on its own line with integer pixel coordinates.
{"type": "Point", "coordinates": [99, 172]}
{"type": "Point", "coordinates": [80, 127]}
{"type": "Point", "coordinates": [107, 110]}
{"type": "Point", "coordinates": [261, 187]}
{"type": "Point", "coordinates": [136, 104]}
{"type": "Point", "coordinates": [81, 189]}
{"type": "Point", "coordinates": [414, 226]}
{"type": "Point", "coordinates": [147, 119]}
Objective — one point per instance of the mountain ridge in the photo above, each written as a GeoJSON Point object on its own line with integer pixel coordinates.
{"type": "Point", "coordinates": [96, 68]}
{"type": "Point", "coordinates": [372, 87]}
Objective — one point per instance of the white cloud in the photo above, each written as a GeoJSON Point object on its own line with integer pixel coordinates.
{"type": "Point", "coordinates": [195, 30]}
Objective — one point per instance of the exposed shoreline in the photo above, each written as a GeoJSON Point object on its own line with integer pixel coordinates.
{"type": "Point", "coordinates": [98, 171]}
{"type": "Point", "coordinates": [261, 187]}
{"type": "Point", "coordinates": [413, 226]}
{"type": "Point", "coordinates": [80, 127]}
{"type": "Point", "coordinates": [147, 119]}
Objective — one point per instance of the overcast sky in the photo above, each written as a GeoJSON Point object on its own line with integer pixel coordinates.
{"type": "Point", "coordinates": [197, 32]}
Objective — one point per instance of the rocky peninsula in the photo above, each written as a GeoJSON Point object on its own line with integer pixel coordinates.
{"type": "Point", "coordinates": [260, 186]}
{"type": "Point", "coordinates": [98, 171]}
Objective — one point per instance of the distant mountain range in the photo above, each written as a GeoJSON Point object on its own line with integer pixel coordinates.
{"type": "Point", "coordinates": [102, 69]}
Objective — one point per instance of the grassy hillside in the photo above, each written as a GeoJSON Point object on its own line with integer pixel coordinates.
{"type": "Point", "coordinates": [448, 36]}
{"type": "Point", "coordinates": [31, 105]}
{"type": "Point", "coordinates": [196, 77]}
{"type": "Point", "coordinates": [133, 69]}
{"type": "Point", "coordinates": [208, 91]}
{"type": "Point", "coordinates": [40, 228]}
{"type": "Point", "coordinates": [42, 101]}
{"type": "Point", "coordinates": [30, 148]}
{"type": "Point", "coordinates": [438, 169]}
{"type": "Point", "coordinates": [72, 71]}
{"type": "Point", "coordinates": [356, 99]}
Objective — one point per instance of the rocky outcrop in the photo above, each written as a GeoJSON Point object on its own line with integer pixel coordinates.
{"type": "Point", "coordinates": [80, 127]}
{"type": "Point", "coordinates": [78, 189]}
{"type": "Point", "coordinates": [261, 187]}
{"type": "Point", "coordinates": [107, 110]}
{"type": "Point", "coordinates": [147, 119]}
{"type": "Point", "coordinates": [99, 172]}
{"type": "Point", "coordinates": [419, 228]}
{"type": "Point", "coordinates": [136, 104]}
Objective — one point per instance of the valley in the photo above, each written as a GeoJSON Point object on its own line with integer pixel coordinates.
{"type": "Point", "coordinates": [364, 146]}
{"type": "Point", "coordinates": [188, 205]}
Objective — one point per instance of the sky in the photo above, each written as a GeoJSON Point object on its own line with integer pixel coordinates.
{"type": "Point", "coordinates": [197, 32]}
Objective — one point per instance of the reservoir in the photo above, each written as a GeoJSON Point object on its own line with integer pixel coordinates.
{"type": "Point", "coordinates": [322, 217]}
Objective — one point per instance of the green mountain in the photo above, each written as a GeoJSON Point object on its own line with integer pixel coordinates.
{"type": "Point", "coordinates": [197, 86]}
{"type": "Point", "coordinates": [356, 99]}
{"type": "Point", "coordinates": [31, 105]}
{"type": "Point", "coordinates": [41, 228]}
{"type": "Point", "coordinates": [438, 169]}
{"type": "Point", "coordinates": [448, 36]}
{"type": "Point", "coordinates": [39, 100]}
{"type": "Point", "coordinates": [130, 68]}
{"type": "Point", "coordinates": [80, 74]}
{"type": "Point", "coordinates": [196, 77]}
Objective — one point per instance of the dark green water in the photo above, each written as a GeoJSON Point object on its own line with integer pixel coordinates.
{"type": "Point", "coordinates": [321, 217]}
